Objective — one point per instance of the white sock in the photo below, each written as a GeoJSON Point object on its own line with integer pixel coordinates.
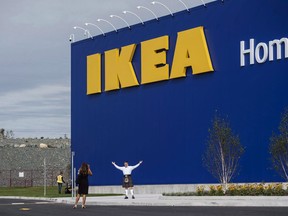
{"type": "Point", "coordinates": [132, 192]}
{"type": "Point", "coordinates": [126, 192]}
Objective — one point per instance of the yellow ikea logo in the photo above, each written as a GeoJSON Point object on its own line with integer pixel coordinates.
{"type": "Point", "coordinates": [191, 50]}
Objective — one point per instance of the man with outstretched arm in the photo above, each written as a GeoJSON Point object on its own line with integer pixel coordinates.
{"type": "Point", "coordinates": [127, 179]}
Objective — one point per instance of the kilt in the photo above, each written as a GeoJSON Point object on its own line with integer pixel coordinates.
{"type": "Point", "coordinates": [127, 181]}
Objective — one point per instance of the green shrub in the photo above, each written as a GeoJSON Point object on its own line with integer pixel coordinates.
{"type": "Point", "coordinates": [273, 189]}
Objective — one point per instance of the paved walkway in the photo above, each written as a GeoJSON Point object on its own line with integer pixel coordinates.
{"type": "Point", "coordinates": [159, 200]}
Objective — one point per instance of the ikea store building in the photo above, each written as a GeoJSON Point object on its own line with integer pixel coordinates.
{"type": "Point", "coordinates": [150, 92]}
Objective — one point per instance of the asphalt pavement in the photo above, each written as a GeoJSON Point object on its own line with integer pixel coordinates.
{"type": "Point", "coordinates": [11, 207]}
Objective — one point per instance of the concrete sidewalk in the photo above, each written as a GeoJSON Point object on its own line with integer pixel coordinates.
{"type": "Point", "coordinates": [159, 200]}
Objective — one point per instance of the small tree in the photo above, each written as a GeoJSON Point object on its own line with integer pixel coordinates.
{"type": "Point", "coordinates": [223, 151]}
{"type": "Point", "coordinates": [279, 147]}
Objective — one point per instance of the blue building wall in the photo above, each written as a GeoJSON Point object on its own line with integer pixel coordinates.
{"type": "Point", "coordinates": [166, 123]}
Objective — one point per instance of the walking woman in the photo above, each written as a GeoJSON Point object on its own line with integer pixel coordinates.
{"type": "Point", "coordinates": [83, 184]}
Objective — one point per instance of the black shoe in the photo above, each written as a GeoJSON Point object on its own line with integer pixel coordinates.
{"type": "Point", "coordinates": [126, 197]}
{"type": "Point", "coordinates": [133, 197]}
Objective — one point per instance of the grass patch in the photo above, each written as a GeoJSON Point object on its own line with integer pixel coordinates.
{"type": "Point", "coordinates": [51, 192]}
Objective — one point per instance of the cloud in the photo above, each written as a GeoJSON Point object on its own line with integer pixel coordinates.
{"type": "Point", "coordinates": [40, 109]}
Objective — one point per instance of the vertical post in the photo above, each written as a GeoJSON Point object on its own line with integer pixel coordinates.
{"type": "Point", "coordinates": [45, 177]}
{"type": "Point", "coordinates": [10, 178]}
{"type": "Point", "coordinates": [31, 177]}
{"type": "Point", "coordinates": [74, 181]}
{"type": "Point", "coordinates": [72, 173]}
{"type": "Point", "coordinates": [52, 179]}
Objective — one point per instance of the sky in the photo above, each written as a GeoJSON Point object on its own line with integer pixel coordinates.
{"type": "Point", "coordinates": [35, 55]}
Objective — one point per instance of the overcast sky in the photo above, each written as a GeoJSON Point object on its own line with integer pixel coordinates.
{"type": "Point", "coordinates": [35, 56]}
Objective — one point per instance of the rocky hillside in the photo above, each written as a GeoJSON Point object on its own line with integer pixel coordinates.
{"type": "Point", "coordinates": [22, 161]}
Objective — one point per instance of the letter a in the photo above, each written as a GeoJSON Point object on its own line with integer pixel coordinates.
{"type": "Point", "coordinates": [191, 51]}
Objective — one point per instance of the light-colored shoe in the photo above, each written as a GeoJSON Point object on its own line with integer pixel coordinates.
{"type": "Point", "coordinates": [75, 206]}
